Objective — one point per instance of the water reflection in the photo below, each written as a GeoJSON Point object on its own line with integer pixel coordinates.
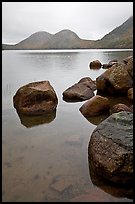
{"type": "Point", "coordinates": [116, 190]}
{"type": "Point", "coordinates": [73, 100]}
{"type": "Point", "coordinates": [47, 61]}
{"type": "Point", "coordinates": [95, 120]}
{"type": "Point", "coordinates": [30, 121]}
{"type": "Point", "coordinates": [36, 161]}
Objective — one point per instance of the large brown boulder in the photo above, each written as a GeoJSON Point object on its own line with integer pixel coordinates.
{"type": "Point", "coordinates": [96, 64]}
{"type": "Point", "coordinates": [80, 91]}
{"type": "Point", "coordinates": [95, 106]}
{"type": "Point", "coordinates": [30, 121]}
{"type": "Point", "coordinates": [36, 98]}
{"type": "Point", "coordinates": [111, 148]}
{"type": "Point", "coordinates": [115, 80]}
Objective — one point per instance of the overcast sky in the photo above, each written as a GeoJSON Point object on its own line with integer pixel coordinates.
{"type": "Point", "coordinates": [89, 20]}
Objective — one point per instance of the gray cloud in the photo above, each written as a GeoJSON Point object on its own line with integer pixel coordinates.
{"type": "Point", "coordinates": [90, 20]}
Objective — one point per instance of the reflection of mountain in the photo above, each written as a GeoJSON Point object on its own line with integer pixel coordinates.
{"type": "Point", "coordinates": [120, 37]}
{"type": "Point", "coordinates": [112, 189]}
{"type": "Point", "coordinates": [47, 60]}
{"type": "Point", "coordinates": [30, 121]}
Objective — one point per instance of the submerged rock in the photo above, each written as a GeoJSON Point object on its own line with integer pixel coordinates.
{"type": "Point", "coordinates": [111, 148]}
{"type": "Point", "coordinates": [36, 98]}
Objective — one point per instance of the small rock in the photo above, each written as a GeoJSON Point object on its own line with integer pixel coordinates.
{"type": "Point", "coordinates": [119, 107]}
{"type": "Point", "coordinates": [130, 94]}
{"type": "Point", "coordinates": [96, 64]}
{"type": "Point", "coordinates": [61, 185]}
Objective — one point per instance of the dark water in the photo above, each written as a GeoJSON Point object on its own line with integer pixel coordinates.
{"type": "Point", "coordinates": [46, 159]}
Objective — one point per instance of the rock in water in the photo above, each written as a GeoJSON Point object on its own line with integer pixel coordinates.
{"type": "Point", "coordinates": [111, 148]}
{"type": "Point", "coordinates": [96, 64]}
{"type": "Point", "coordinates": [36, 98]}
{"type": "Point", "coordinates": [115, 80]}
{"type": "Point", "coordinates": [80, 91]}
{"type": "Point", "coordinates": [95, 106]}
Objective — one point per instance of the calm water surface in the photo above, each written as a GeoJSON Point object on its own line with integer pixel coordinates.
{"type": "Point", "coordinates": [46, 159]}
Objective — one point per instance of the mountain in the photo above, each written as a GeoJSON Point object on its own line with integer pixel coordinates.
{"type": "Point", "coordinates": [120, 37]}
{"type": "Point", "coordinates": [35, 41]}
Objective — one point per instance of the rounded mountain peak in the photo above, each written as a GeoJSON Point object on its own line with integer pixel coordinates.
{"type": "Point", "coordinates": [41, 34]}
{"type": "Point", "coordinates": [68, 33]}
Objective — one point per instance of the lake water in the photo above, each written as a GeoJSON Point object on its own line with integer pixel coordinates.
{"type": "Point", "coordinates": [47, 159]}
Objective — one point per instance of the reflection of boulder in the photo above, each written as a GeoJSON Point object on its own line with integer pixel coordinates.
{"type": "Point", "coordinates": [111, 148]}
{"type": "Point", "coordinates": [36, 98]}
{"type": "Point", "coordinates": [119, 191]}
{"type": "Point", "coordinates": [30, 121]}
{"type": "Point", "coordinates": [95, 120]}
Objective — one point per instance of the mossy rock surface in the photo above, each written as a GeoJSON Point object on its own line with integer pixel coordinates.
{"type": "Point", "coordinates": [111, 148]}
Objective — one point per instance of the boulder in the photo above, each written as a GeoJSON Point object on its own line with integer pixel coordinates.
{"type": "Point", "coordinates": [35, 98]}
{"type": "Point", "coordinates": [88, 82]}
{"type": "Point", "coordinates": [129, 67]}
{"type": "Point", "coordinates": [110, 64]}
{"type": "Point", "coordinates": [96, 64]}
{"type": "Point", "coordinates": [114, 60]}
{"type": "Point", "coordinates": [95, 106]}
{"type": "Point", "coordinates": [110, 148]}
{"type": "Point", "coordinates": [106, 66]}
{"type": "Point", "coordinates": [115, 80]}
{"type": "Point", "coordinates": [80, 91]}
{"type": "Point", "coordinates": [131, 107]}
{"type": "Point", "coordinates": [126, 60]}
{"type": "Point", "coordinates": [130, 94]}
{"type": "Point", "coordinates": [119, 107]}
{"type": "Point", "coordinates": [115, 190]}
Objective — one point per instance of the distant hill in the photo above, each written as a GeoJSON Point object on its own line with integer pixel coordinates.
{"type": "Point", "coordinates": [120, 37]}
